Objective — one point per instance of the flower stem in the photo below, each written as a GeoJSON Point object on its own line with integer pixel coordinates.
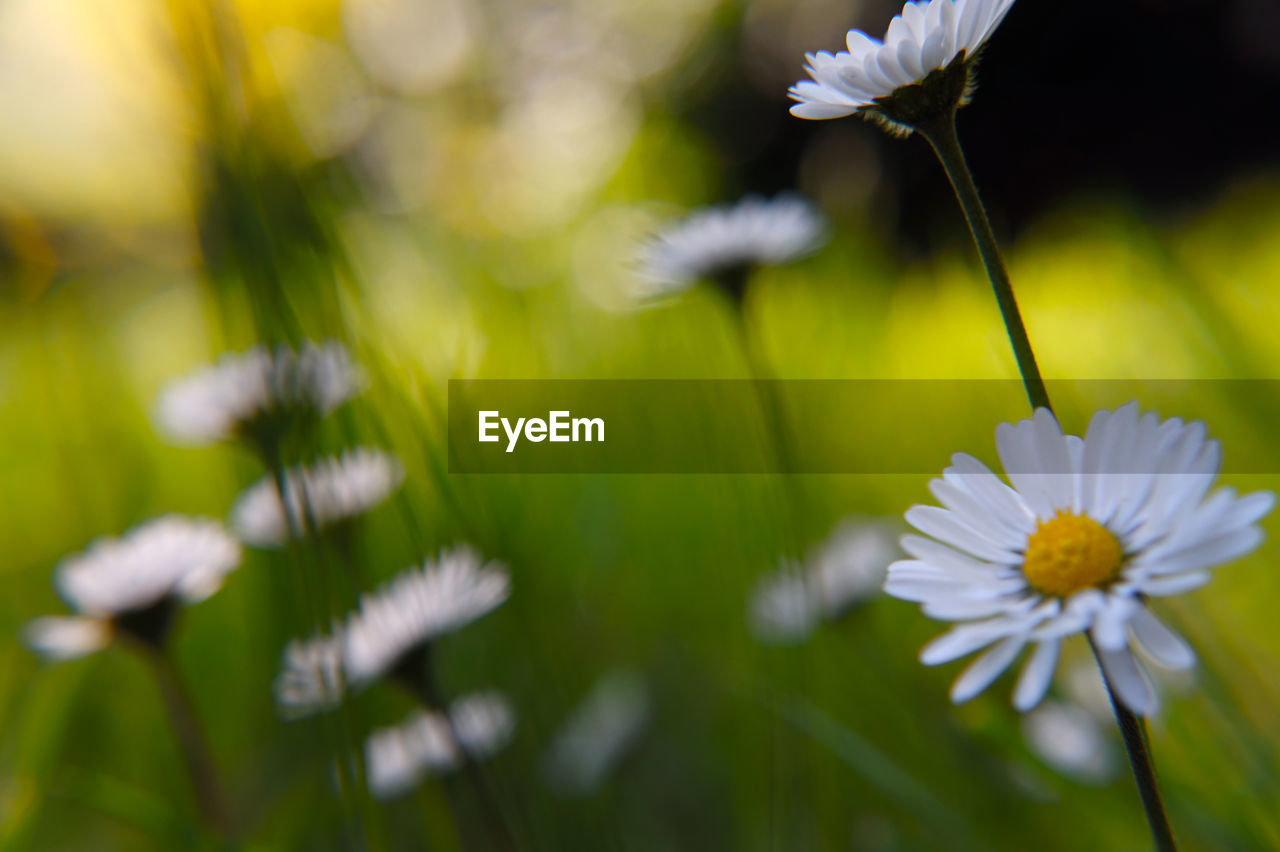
{"type": "Point", "coordinates": [423, 683]}
{"type": "Point", "coordinates": [1134, 731]}
{"type": "Point", "coordinates": [941, 135]}
{"type": "Point", "coordinates": [300, 530]}
{"type": "Point", "coordinates": [768, 391]}
{"type": "Point", "coordinates": [210, 796]}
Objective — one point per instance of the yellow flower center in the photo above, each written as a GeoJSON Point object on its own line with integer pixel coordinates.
{"type": "Point", "coordinates": [1070, 553]}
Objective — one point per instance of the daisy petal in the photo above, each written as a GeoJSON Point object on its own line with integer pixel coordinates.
{"type": "Point", "coordinates": [1128, 682]}
{"type": "Point", "coordinates": [1036, 675]}
{"type": "Point", "coordinates": [1109, 624]}
{"type": "Point", "coordinates": [1177, 584]}
{"type": "Point", "coordinates": [1160, 643]}
{"type": "Point", "coordinates": [967, 638]}
{"type": "Point", "coordinates": [986, 668]}
{"type": "Point", "coordinates": [946, 527]}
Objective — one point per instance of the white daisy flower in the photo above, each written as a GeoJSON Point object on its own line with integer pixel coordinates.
{"type": "Point", "coordinates": [133, 582]}
{"type": "Point", "coordinates": [848, 568]}
{"type": "Point", "coordinates": [1090, 530]}
{"type": "Point", "coordinates": [330, 491]}
{"type": "Point", "coordinates": [1071, 741]}
{"type": "Point", "coordinates": [430, 743]}
{"type": "Point", "coordinates": [599, 734]}
{"type": "Point", "coordinates": [418, 606]}
{"type": "Point", "coordinates": [246, 392]}
{"type": "Point", "coordinates": [927, 37]}
{"type": "Point", "coordinates": [310, 679]}
{"type": "Point", "coordinates": [728, 240]}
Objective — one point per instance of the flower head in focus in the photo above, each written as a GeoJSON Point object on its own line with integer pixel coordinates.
{"type": "Point", "coordinates": [847, 568]}
{"type": "Point", "coordinates": [724, 243]}
{"type": "Point", "coordinates": [395, 624]}
{"type": "Point", "coordinates": [922, 70]}
{"type": "Point", "coordinates": [430, 743]}
{"type": "Point", "coordinates": [328, 492]}
{"type": "Point", "coordinates": [1086, 534]}
{"type": "Point", "coordinates": [134, 584]}
{"type": "Point", "coordinates": [255, 394]}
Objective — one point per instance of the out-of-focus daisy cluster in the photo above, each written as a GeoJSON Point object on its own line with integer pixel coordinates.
{"type": "Point", "coordinates": [392, 635]}
{"type": "Point", "coordinates": [432, 743]}
{"type": "Point", "coordinates": [135, 583]}
{"type": "Point", "coordinates": [255, 397]}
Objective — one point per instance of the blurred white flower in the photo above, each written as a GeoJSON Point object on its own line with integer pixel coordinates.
{"type": "Point", "coordinates": [418, 606]}
{"type": "Point", "coordinates": [1091, 530]}
{"type": "Point", "coordinates": [925, 37]}
{"type": "Point", "coordinates": [310, 679]}
{"type": "Point", "coordinates": [728, 240]}
{"type": "Point", "coordinates": [396, 758]}
{"type": "Point", "coordinates": [483, 723]}
{"type": "Point", "coordinates": [429, 743]}
{"type": "Point", "coordinates": [330, 491]}
{"type": "Point", "coordinates": [246, 392]}
{"type": "Point", "coordinates": [1070, 740]}
{"type": "Point", "coordinates": [57, 637]}
{"type": "Point", "coordinates": [782, 609]}
{"type": "Point", "coordinates": [1083, 684]}
{"type": "Point", "coordinates": [132, 581]}
{"type": "Point", "coordinates": [844, 570]}
{"type": "Point", "coordinates": [851, 565]}
{"type": "Point", "coordinates": [599, 734]}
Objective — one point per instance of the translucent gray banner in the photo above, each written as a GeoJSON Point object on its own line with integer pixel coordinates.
{"type": "Point", "coordinates": [817, 426]}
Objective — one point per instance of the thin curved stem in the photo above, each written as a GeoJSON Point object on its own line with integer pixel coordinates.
{"type": "Point", "coordinates": [194, 745]}
{"type": "Point", "coordinates": [1134, 731]}
{"type": "Point", "coordinates": [768, 392]}
{"type": "Point", "coordinates": [941, 135]}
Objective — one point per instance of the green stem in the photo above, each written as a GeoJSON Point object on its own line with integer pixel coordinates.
{"type": "Point", "coordinates": [299, 530]}
{"type": "Point", "coordinates": [768, 391]}
{"type": "Point", "coordinates": [1134, 731]}
{"type": "Point", "coordinates": [192, 742]}
{"type": "Point", "coordinates": [942, 136]}
{"type": "Point", "coordinates": [422, 682]}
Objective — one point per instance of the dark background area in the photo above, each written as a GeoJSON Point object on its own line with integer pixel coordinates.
{"type": "Point", "coordinates": [1166, 100]}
